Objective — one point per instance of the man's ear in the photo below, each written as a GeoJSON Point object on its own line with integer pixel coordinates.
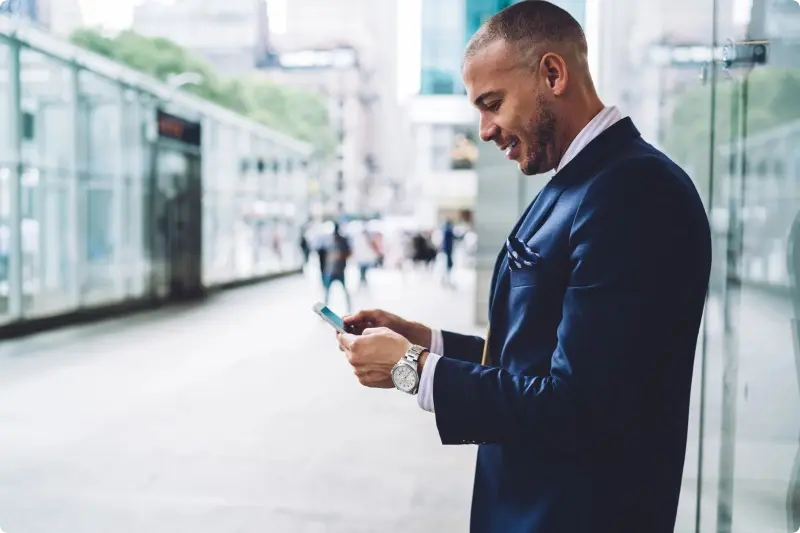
{"type": "Point", "coordinates": [554, 69]}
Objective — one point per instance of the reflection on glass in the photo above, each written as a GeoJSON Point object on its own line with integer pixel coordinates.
{"type": "Point", "coordinates": [133, 262]}
{"type": "Point", "coordinates": [793, 497]}
{"type": "Point", "coordinates": [750, 180]}
{"type": "Point", "coordinates": [6, 163]}
{"type": "Point", "coordinates": [756, 181]}
{"type": "Point", "coordinates": [100, 166]}
{"type": "Point", "coordinates": [47, 182]}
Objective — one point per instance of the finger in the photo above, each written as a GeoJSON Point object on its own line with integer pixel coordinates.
{"type": "Point", "coordinates": [364, 316]}
{"type": "Point", "coordinates": [346, 340]}
{"type": "Point", "coordinates": [373, 331]}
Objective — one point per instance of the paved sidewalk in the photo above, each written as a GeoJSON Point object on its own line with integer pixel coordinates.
{"type": "Point", "coordinates": [237, 415]}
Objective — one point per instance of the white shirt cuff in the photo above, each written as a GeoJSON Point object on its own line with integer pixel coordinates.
{"type": "Point", "coordinates": [437, 342]}
{"type": "Point", "coordinates": [425, 394]}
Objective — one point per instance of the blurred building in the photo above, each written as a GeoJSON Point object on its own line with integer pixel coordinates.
{"type": "Point", "coordinates": [230, 35]}
{"type": "Point", "coordinates": [344, 185]}
{"type": "Point", "coordinates": [23, 8]}
{"type": "Point", "coordinates": [347, 51]}
{"type": "Point", "coordinates": [116, 190]}
{"type": "Point", "coordinates": [60, 17]}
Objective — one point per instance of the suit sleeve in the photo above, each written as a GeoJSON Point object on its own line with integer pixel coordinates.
{"type": "Point", "coordinates": [623, 248]}
{"type": "Point", "coordinates": [467, 348]}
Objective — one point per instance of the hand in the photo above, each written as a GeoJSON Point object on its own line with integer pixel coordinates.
{"type": "Point", "coordinates": [373, 354]}
{"type": "Point", "coordinates": [415, 332]}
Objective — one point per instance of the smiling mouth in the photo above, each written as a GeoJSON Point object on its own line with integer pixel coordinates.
{"type": "Point", "coordinates": [510, 146]}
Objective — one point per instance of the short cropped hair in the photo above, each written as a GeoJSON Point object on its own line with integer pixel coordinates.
{"type": "Point", "coordinates": [527, 24]}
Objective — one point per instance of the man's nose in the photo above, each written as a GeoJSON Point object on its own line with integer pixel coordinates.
{"type": "Point", "coordinates": [487, 130]}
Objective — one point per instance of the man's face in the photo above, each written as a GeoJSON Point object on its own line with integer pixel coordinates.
{"type": "Point", "coordinates": [516, 107]}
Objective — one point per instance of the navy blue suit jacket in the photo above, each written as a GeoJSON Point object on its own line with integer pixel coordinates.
{"type": "Point", "coordinates": [582, 417]}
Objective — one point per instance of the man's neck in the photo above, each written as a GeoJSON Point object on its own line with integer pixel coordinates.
{"type": "Point", "coordinates": [575, 123]}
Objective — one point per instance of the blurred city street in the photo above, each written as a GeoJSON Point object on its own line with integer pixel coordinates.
{"type": "Point", "coordinates": [234, 415]}
{"type": "Point", "coordinates": [154, 154]}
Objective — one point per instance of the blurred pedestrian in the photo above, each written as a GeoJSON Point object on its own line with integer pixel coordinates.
{"type": "Point", "coordinates": [337, 255]}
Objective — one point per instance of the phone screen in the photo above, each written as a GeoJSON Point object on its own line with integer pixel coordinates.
{"type": "Point", "coordinates": [336, 319]}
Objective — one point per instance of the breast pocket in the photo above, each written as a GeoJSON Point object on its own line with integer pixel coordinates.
{"type": "Point", "coordinates": [526, 277]}
{"type": "Point", "coordinates": [544, 274]}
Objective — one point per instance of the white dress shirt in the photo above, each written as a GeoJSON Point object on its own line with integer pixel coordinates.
{"type": "Point", "coordinates": [601, 122]}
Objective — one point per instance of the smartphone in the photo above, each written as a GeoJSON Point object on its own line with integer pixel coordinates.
{"type": "Point", "coordinates": [330, 317]}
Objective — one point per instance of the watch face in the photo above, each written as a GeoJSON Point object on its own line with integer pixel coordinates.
{"type": "Point", "coordinates": [404, 378]}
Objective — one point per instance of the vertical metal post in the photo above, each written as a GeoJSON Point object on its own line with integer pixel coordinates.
{"type": "Point", "coordinates": [15, 278]}
{"type": "Point", "coordinates": [121, 269]}
{"type": "Point", "coordinates": [710, 210]}
{"type": "Point", "coordinates": [73, 183]}
{"type": "Point", "coordinates": [80, 199]}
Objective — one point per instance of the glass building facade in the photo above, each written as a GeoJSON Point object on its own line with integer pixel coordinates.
{"type": "Point", "coordinates": [22, 8]}
{"type": "Point", "coordinates": [443, 38]}
{"type": "Point", "coordinates": [115, 188]}
{"type": "Point", "coordinates": [716, 85]}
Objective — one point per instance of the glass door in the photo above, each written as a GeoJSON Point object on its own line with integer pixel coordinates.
{"type": "Point", "coordinates": [184, 229]}
{"type": "Point", "coordinates": [752, 410]}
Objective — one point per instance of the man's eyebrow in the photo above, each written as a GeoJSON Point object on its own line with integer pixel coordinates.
{"type": "Point", "coordinates": [480, 101]}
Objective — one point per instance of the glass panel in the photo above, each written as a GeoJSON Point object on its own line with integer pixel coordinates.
{"type": "Point", "coordinates": [211, 165]}
{"type": "Point", "coordinates": [47, 184]}
{"type": "Point", "coordinates": [133, 189]}
{"type": "Point", "coordinates": [754, 419]}
{"type": "Point", "coordinates": [221, 268]}
{"type": "Point", "coordinates": [647, 58]}
{"type": "Point", "coordinates": [7, 160]}
{"type": "Point", "coordinates": [244, 232]}
{"type": "Point", "coordinates": [100, 165]}
{"type": "Point", "coordinates": [146, 228]}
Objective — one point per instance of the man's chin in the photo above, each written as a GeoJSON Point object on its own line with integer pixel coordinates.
{"type": "Point", "coordinates": [529, 168]}
{"type": "Point", "coordinates": [532, 167]}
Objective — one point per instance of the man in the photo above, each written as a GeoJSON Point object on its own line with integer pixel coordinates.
{"type": "Point", "coordinates": [448, 242]}
{"type": "Point", "coordinates": [336, 266]}
{"type": "Point", "coordinates": [581, 404]}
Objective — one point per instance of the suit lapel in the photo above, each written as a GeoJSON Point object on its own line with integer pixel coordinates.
{"type": "Point", "coordinates": [541, 208]}
{"type": "Point", "coordinates": [500, 262]}
{"type": "Point", "coordinates": [582, 165]}
{"type": "Point", "coordinates": [531, 220]}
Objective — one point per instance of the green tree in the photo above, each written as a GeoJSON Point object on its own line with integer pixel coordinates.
{"type": "Point", "coordinates": [295, 112]}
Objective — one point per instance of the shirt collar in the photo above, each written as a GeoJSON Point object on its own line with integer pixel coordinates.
{"type": "Point", "coordinates": [600, 123]}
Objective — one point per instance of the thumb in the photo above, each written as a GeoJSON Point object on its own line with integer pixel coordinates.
{"type": "Point", "coordinates": [346, 339]}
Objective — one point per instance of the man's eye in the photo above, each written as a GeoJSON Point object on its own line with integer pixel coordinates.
{"type": "Point", "coordinates": [494, 106]}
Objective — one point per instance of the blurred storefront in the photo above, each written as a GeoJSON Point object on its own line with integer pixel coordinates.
{"type": "Point", "coordinates": [115, 188]}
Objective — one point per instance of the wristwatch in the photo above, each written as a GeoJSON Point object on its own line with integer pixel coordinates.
{"type": "Point", "coordinates": [405, 374]}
